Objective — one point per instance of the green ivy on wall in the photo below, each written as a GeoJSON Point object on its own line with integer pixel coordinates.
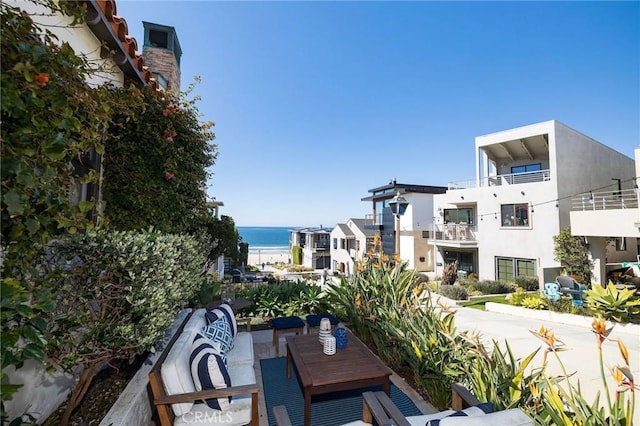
{"type": "Point", "coordinates": [155, 165]}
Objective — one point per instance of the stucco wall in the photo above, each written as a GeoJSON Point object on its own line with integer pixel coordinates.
{"type": "Point", "coordinates": [577, 164]}
{"type": "Point", "coordinates": [583, 164]}
{"type": "Point", "coordinates": [339, 255]}
{"type": "Point", "coordinates": [80, 38]}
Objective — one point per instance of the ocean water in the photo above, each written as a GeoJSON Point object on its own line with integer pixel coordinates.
{"type": "Point", "coordinates": [265, 238]}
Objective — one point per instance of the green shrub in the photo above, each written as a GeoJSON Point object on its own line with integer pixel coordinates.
{"type": "Point", "coordinates": [118, 292]}
{"type": "Point", "coordinates": [421, 278]}
{"type": "Point", "coordinates": [455, 292]}
{"type": "Point", "coordinates": [286, 298]}
{"type": "Point", "coordinates": [527, 283]}
{"type": "Point", "coordinates": [491, 287]}
{"type": "Point", "coordinates": [296, 254]}
{"type": "Point", "coordinates": [517, 297]}
{"type": "Point", "coordinates": [534, 301]}
{"type": "Point", "coordinates": [565, 304]}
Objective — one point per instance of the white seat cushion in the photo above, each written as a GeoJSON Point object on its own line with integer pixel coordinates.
{"type": "Point", "coordinates": [242, 352]}
{"type": "Point", "coordinates": [239, 411]}
{"type": "Point", "coordinates": [176, 372]}
{"type": "Point", "coordinates": [196, 322]}
{"type": "Point", "coordinates": [423, 419]}
{"type": "Point", "coordinates": [511, 417]}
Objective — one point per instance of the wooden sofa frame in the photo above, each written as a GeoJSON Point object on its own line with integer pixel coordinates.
{"type": "Point", "coordinates": [163, 402]}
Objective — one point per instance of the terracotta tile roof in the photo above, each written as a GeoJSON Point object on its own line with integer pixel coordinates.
{"type": "Point", "coordinates": [102, 18]}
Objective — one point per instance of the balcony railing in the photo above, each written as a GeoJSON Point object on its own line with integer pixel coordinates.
{"type": "Point", "coordinates": [456, 232]}
{"type": "Point", "coordinates": [608, 200]}
{"type": "Point", "coordinates": [508, 179]}
{"type": "Point", "coordinates": [373, 219]}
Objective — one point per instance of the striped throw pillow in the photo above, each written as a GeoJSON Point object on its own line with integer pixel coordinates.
{"type": "Point", "coordinates": [209, 371]}
{"type": "Point", "coordinates": [476, 410]}
{"type": "Point", "coordinates": [220, 331]}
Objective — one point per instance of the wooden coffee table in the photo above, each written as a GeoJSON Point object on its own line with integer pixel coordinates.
{"type": "Point", "coordinates": [350, 368]}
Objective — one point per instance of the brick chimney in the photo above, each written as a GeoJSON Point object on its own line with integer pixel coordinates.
{"type": "Point", "coordinates": [161, 53]}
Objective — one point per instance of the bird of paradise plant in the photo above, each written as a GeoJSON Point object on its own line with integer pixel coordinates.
{"type": "Point", "coordinates": [565, 404]}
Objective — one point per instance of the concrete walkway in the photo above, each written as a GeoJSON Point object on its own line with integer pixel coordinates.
{"type": "Point", "coordinates": [581, 356]}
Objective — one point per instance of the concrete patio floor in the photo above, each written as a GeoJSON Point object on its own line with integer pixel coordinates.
{"type": "Point", "coordinates": [263, 348]}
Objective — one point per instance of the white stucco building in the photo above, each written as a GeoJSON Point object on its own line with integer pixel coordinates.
{"type": "Point", "coordinates": [501, 224]}
{"type": "Point", "coordinates": [314, 243]}
{"type": "Point", "coordinates": [414, 225]}
{"type": "Point", "coordinates": [350, 242]}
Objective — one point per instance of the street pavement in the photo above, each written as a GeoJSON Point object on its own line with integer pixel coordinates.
{"type": "Point", "coordinates": [581, 354]}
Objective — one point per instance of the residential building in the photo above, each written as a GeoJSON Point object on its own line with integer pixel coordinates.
{"type": "Point", "coordinates": [413, 226]}
{"type": "Point", "coordinates": [314, 243]}
{"type": "Point", "coordinates": [350, 242]}
{"type": "Point", "coordinates": [501, 225]}
{"type": "Point", "coordinates": [610, 222]}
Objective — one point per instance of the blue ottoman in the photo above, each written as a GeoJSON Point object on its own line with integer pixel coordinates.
{"type": "Point", "coordinates": [314, 320]}
{"type": "Point", "coordinates": [285, 325]}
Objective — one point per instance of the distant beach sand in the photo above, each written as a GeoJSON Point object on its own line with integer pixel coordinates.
{"type": "Point", "coordinates": [267, 256]}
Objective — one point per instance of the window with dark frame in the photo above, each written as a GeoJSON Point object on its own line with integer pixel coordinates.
{"type": "Point", "coordinates": [508, 268]}
{"type": "Point", "coordinates": [464, 216]}
{"type": "Point", "coordinates": [535, 167]}
{"type": "Point", "coordinates": [514, 215]}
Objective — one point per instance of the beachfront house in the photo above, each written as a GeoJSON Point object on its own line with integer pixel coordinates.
{"type": "Point", "coordinates": [350, 242]}
{"type": "Point", "coordinates": [314, 244]}
{"type": "Point", "coordinates": [501, 224]}
{"type": "Point", "coordinates": [413, 226]}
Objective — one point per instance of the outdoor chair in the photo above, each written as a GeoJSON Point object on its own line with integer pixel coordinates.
{"type": "Point", "coordinates": [552, 291]}
{"type": "Point", "coordinates": [466, 410]}
{"type": "Point", "coordinates": [570, 286]}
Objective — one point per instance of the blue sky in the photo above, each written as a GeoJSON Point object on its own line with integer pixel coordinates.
{"type": "Point", "coordinates": [315, 103]}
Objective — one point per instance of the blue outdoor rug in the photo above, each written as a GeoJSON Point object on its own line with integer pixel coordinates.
{"type": "Point", "coordinates": [326, 410]}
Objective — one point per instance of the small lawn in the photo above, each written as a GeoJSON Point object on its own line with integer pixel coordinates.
{"type": "Point", "coordinates": [478, 302]}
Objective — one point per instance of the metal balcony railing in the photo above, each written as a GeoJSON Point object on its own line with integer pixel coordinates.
{"type": "Point", "coordinates": [373, 219]}
{"type": "Point", "coordinates": [607, 200]}
{"type": "Point", "coordinates": [456, 232]}
{"type": "Point", "coordinates": [507, 179]}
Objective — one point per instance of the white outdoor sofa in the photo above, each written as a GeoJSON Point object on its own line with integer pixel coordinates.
{"type": "Point", "coordinates": [174, 391]}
